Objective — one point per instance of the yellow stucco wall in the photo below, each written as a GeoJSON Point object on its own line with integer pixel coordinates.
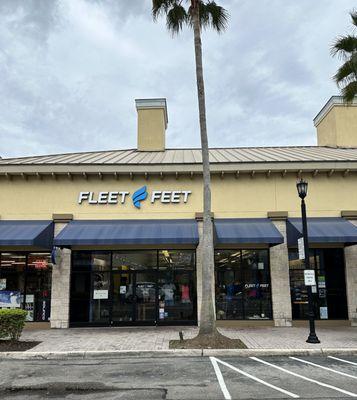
{"type": "Point", "coordinates": [151, 129]}
{"type": "Point", "coordinates": [339, 127]}
{"type": "Point", "coordinates": [231, 197]}
{"type": "Point", "coordinates": [326, 130]}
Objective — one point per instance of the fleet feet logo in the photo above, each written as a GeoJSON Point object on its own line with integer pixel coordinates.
{"type": "Point", "coordinates": [139, 196]}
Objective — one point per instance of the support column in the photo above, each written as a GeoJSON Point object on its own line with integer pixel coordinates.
{"type": "Point", "coordinates": [279, 272]}
{"type": "Point", "coordinates": [351, 280]}
{"type": "Point", "coordinates": [61, 275]}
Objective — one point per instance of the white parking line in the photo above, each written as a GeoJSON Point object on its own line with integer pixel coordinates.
{"type": "Point", "coordinates": [305, 378]}
{"type": "Point", "coordinates": [340, 359]}
{"type": "Point", "coordinates": [323, 367]}
{"type": "Point", "coordinates": [215, 360]}
{"type": "Point", "coordinates": [221, 382]}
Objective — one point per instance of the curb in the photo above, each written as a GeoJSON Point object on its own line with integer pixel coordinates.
{"type": "Point", "coordinates": [57, 355]}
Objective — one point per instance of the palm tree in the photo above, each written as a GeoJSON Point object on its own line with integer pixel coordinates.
{"type": "Point", "coordinates": [199, 14]}
{"type": "Point", "coordinates": [346, 76]}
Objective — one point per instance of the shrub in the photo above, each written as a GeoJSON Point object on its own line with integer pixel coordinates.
{"type": "Point", "coordinates": [12, 322]}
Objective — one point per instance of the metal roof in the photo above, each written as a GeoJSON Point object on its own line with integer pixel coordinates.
{"type": "Point", "coordinates": [237, 155]}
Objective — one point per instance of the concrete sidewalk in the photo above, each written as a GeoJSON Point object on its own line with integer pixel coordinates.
{"type": "Point", "coordinates": [157, 339]}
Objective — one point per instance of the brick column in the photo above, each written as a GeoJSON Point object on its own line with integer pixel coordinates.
{"type": "Point", "coordinates": [60, 292]}
{"type": "Point", "coordinates": [280, 281]}
{"type": "Point", "coordinates": [351, 280]}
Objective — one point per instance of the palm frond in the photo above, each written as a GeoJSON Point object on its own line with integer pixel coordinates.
{"type": "Point", "coordinates": [176, 18]}
{"type": "Point", "coordinates": [346, 73]}
{"type": "Point", "coordinates": [344, 45]}
{"type": "Point", "coordinates": [161, 7]}
{"type": "Point", "coordinates": [349, 92]}
{"type": "Point", "coordinates": [213, 15]}
{"type": "Point", "coordinates": [354, 17]}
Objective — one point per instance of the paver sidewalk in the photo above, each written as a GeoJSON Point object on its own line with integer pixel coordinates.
{"type": "Point", "coordinates": [147, 338]}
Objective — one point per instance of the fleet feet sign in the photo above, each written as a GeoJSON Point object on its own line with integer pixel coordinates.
{"type": "Point", "coordinates": [137, 197]}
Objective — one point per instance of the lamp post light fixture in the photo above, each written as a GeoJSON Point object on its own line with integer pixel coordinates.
{"type": "Point", "coordinates": [302, 191]}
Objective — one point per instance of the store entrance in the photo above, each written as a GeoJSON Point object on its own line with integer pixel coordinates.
{"type": "Point", "coordinates": [329, 295]}
{"type": "Point", "coordinates": [142, 287]}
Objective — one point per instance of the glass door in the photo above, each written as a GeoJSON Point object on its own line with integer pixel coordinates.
{"type": "Point", "coordinates": [145, 296]}
{"type": "Point", "coordinates": [134, 298]}
{"type": "Point", "coordinates": [123, 298]}
{"type": "Point", "coordinates": [134, 287]}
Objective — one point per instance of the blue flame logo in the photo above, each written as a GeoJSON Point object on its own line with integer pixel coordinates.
{"type": "Point", "coordinates": [139, 196]}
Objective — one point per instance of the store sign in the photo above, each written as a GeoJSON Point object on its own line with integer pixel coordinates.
{"type": "Point", "coordinates": [323, 313]}
{"type": "Point", "coordinates": [256, 286]}
{"type": "Point", "coordinates": [137, 197]}
{"type": "Point", "coordinates": [301, 248]}
{"type": "Point", "coordinates": [309, 277]}
{"type": "Point", "coordinates": [29, 307]}
{"type": "Point", "coordinates": [100, 294]}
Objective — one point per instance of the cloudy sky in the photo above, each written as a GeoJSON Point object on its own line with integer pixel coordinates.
{"type": "Point", "coordinates": [71, 69]}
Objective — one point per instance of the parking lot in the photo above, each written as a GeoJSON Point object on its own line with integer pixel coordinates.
{"type": "Point", "coordinates": [304, 377]}
{"type": "Point", "coordinates": [286, 377]}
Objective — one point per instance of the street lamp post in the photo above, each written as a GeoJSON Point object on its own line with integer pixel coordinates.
{"type": "Point", "coordinates": [302, 191]}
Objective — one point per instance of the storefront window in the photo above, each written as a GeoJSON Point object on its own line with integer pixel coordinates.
{"type": "Point", "coordinates": [242, 284]}
{"type": "Point", "coordinates": [176, 283]}
{"type": "Point", "coordinates": [133, 287]}
{"type": "Point", "coordinates": [25, 282]}
{"type": "Point", "coordinates": [12, 280]}
{"type": "Point", "coordinates": [329, 295]}
{"type": "Point", "coordinates": [134, 260]}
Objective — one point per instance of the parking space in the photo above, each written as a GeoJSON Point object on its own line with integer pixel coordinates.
{"type": "Point", "coordinates": [286, 377]}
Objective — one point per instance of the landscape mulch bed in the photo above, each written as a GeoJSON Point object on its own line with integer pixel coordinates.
{"type": "Point", "coordinates": [216, 341]}
{"type": "Point", "coordinates": [9, 345]}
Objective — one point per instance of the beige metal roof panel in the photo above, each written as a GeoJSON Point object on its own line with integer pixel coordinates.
{"type": "Point", "coordinates": [271, 155]}
{"type": "Point", "coordinates": [224, 155]}
{"type": "Point", "coordinates": [193, 156]}
{"type": "Point", "coordinates": [197, 155]}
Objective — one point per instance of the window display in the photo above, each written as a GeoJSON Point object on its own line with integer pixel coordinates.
{"type": "Point", "coordinates": [133, 287]}
{"type": "Point", "coordinates": [242, 284]}
{"type": "Point", "coordinates": [25, 282]}
{"type": "Point", "coordinates": [176, 284]}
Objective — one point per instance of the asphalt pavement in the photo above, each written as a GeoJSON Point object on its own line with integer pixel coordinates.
{"type": "Point", "coordinates": [283, 377]}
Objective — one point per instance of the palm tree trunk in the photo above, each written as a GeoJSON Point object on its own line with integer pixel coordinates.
{"type": "Point", "coordinates": [208, 315]}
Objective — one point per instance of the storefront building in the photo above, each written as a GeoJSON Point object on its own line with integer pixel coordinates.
{"type": "Point", "coordinates": [112, 238]}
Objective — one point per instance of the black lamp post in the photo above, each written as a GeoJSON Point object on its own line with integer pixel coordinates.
{"type": "Point", "coordinates": [302, 190]}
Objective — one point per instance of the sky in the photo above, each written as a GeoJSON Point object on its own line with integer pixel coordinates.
{"type": "Point", "coordinates": [70, 71]}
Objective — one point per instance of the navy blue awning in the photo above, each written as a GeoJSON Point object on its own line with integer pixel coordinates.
{"type": "Point", "coordinates": [247, 231]}
{"type": "Point", "coordinates": [37, 234]}
{"type": "Point", "coordinates": [322, 230]}
{"type": "Point", "coordinates": [128, 232]}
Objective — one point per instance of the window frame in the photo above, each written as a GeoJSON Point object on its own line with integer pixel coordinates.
{"type": "Point", "coordinates": [244, 318]}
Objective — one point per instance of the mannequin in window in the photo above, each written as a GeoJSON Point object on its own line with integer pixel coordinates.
{"type": "Point", "coordinates": [169, 290]}
{"type": "Point", "coordinates": [185, 293]}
